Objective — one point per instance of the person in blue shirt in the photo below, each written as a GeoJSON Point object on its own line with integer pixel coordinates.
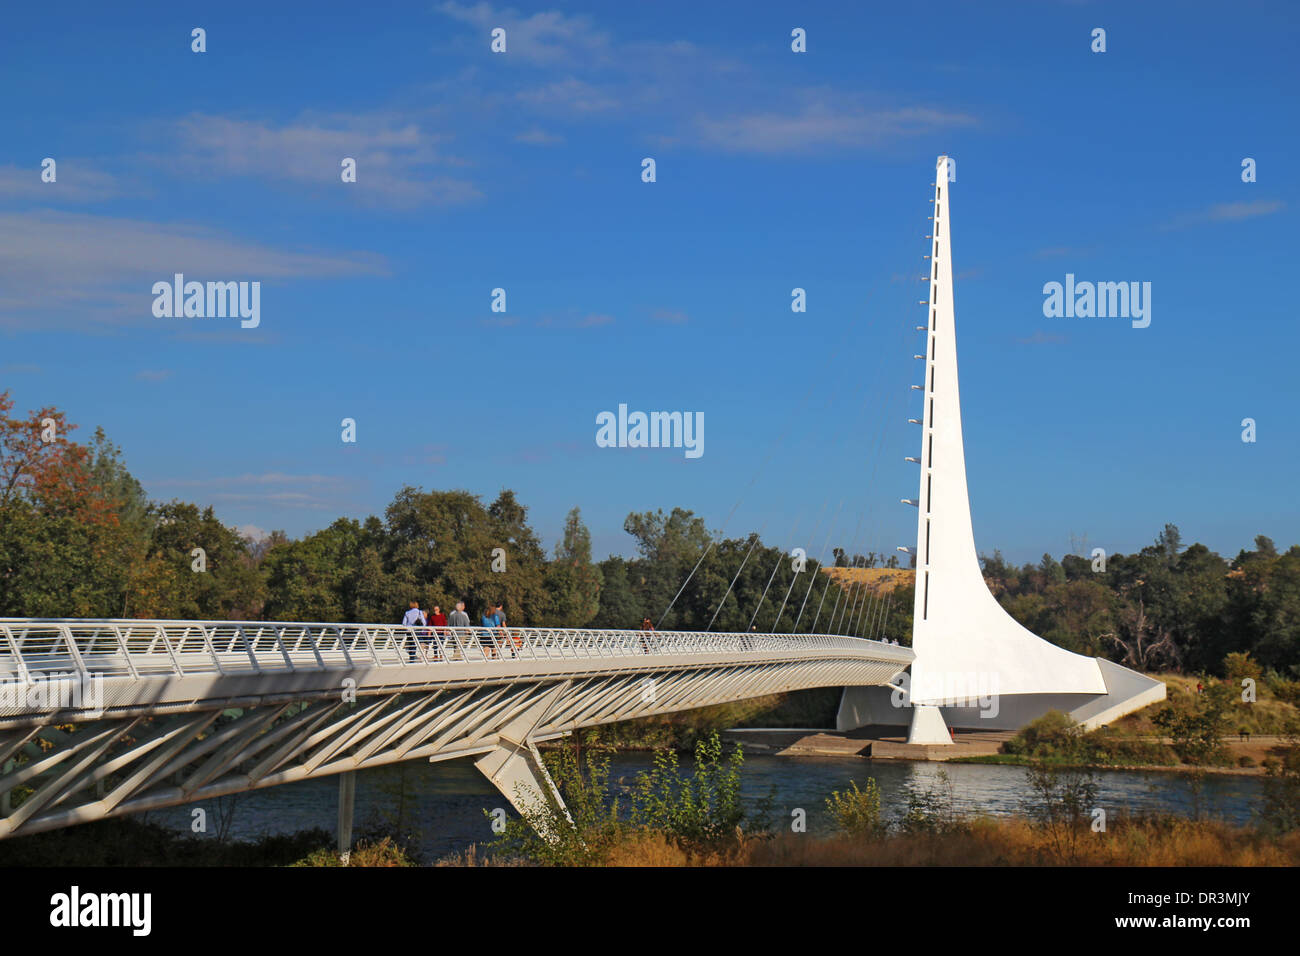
{"type": "Point", "coordinates": [487, 637]}
{"type": "Point", "coordinates": [499, 612]}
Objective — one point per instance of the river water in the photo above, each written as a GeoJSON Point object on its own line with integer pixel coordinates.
{"type": "Point", "coordinates": [446, 800]}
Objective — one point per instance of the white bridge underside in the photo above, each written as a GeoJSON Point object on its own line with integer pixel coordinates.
{"type": "Point", "coordinates": [177, 711]}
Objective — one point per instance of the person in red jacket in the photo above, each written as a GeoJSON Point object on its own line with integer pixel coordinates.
{"type": "Point", "coordinates": [437, 620]}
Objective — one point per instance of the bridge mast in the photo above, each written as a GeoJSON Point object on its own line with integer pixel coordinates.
{"type": "Point", "coordinates": [973, 659]}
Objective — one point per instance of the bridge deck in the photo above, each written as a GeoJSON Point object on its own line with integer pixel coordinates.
{"type": "Point", "coordinates": [159, 665]}
{"type": "Point", "coordinates": [105, 718]}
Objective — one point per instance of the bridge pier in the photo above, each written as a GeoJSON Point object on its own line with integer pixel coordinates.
{"type": "Point", "coordinates": [516, 768]}
{"type": "Point", "coordinates": [519, 773]}
{"type": "Point", "coordinates": [928, 726]}
{"type": "Point", "coordinates": [347, 800]}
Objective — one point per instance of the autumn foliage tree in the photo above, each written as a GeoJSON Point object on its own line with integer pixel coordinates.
{"type": "Point", "coordinates": [79, 538]}
{"type": "Point", "coordinates": [63, 548]}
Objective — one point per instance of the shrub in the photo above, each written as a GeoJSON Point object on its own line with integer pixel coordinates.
{"type": "Point", "coordinates": [700, 812]}
{"type": "Point", "coordinates": [1285, 690]}
{"type": "Point", "coordinates": [702, 809]}
{"type": "Point", "coordinates": [1054, 736]}
{"type": "Point", "coordinates": [1281, 807]}
{"type": "Point", "coordinates": [857, 812]}
{"type": "Point", "coordinates": [1060, 806]}
{"type": "Point", "coordinates": [932, 810]}
{"type": "Point", "coordinates": [1238, 666]}
{"type": "Point", "coordinates": [1197, 726]}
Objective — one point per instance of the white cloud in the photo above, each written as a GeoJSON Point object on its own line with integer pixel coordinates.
{"type": "Point", "coordinates": [1233, 211]}
{"type": "Point", "coordinates": [75, 182]}
{"type": "Point", "coordinates": [587, 74]}
{"type": "Point", "coordinates": [58, 268]}
{"type": "Point", "coordinates": [1227, 212]}
{"type": "Point", "coordinates": [545, 37]}
{"type": "Point", "coordinates": [247, 479]}
{"type": "Point", "coordinates": [570, 95]}
{"type": "Point", "coordinates": [398, 161]}
{"type": "Point", "coordinates": [308, 492]}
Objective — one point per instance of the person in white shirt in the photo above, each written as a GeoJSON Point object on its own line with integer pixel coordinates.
{"type": "Point", "coordinates": [458, 618]}
{"type": "Point", "coordinates": [414, 617]}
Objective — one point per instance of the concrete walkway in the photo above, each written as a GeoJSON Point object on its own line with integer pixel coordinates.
{"type": "Point", "coordinates": [873, 742]}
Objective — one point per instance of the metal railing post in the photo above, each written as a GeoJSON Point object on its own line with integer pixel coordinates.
{"type": "Point", "coordinates": [207, 642]}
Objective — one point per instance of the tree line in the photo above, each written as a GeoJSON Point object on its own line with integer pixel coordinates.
{"type": "Point", "coordinates": [79, 537]}
{"type": "Point", "coordinates": [1165, 607]}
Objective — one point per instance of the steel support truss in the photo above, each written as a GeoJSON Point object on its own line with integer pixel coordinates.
{"type": "Point", "coordinates": [66, 767]}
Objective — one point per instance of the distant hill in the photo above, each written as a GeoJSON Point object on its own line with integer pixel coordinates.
{"type": "Point", "coordinates": [876, 580]}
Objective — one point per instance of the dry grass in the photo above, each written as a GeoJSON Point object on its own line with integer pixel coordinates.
{"type": "Point", "coordinates": [471, 857]}
{"type": "Point", "coordinates": [1267, 715]}
{"type": "Point", "coordinates": [380, 853]}
{"type": "Point", "coordinates": [986, 842]}
{"type": "Point", "coordinates": [877, 580]}
{"type": "Point", "coordinates": [1001, 842]}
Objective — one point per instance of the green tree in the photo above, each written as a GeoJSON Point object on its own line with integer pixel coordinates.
{"type": "Point", "coordinates": [669, 547]}
{"type": "Point", "coordinates": [219, 584]}
{"type": "Point", "coordinates": [1196, 728]}
{"type": "Point", "coordinates": [573, 583]}
{"type": "Point", "coordinates": [857, 811]}
{"type": "Point", "coordinates": [619, 605]}
{"type": "Point", "coordinates": [315, 578]}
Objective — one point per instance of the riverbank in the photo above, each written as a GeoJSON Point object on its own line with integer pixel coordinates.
{"type": "Point", "coordinates": [989, 842]}
{"type": "Point", "coordinates": [890, 743]}
{"type": "Point", "coordinates": [875, 743]}
{"type": "Point", "coordinates": [979, 841]}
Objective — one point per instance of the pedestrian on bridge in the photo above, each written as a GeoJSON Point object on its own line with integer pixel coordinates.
{"type": "Point", "coordinates": [458, 616]}
{"type": "Point", "coordinates": [506, 638]}
{"type": "Point", "coordinates": [487, 638]}
{"type": "Point", "coordinates": [414, 617]}
{"type": "Point", "coordinates": [438, 621]}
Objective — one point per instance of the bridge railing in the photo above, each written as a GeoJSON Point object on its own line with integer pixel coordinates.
{"type": "Point", "coordinates": [32, 649]}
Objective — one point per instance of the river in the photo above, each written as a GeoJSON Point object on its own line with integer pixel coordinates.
{"type": "Point", "coordinates": [447, 799]}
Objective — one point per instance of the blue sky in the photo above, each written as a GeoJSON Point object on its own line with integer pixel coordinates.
{"type": "Point", "coordinates": [775, 170]}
